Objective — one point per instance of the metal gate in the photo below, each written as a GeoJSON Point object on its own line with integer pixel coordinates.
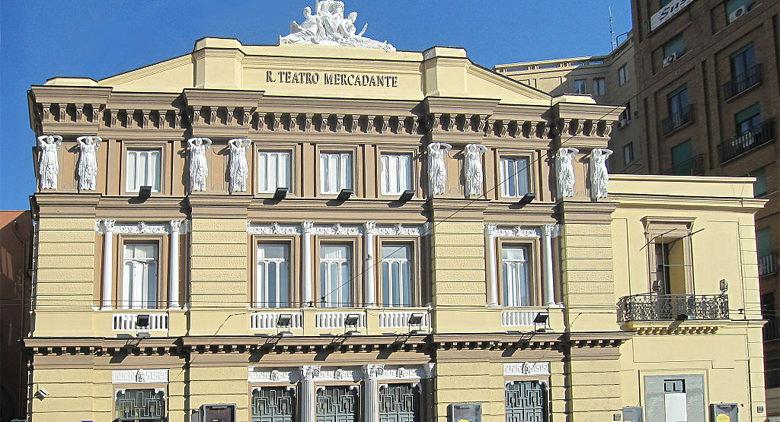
{"type": "Point", "coordinates": [273, 404]}
{"type": "Point", "coordinates": [137, 405]}
{"type": "Point", "coordinates": [399, 403]}
{"type": "Point", "coordinates": [337, 404]}
{"type": "Point", "coordinates": [526, 401]}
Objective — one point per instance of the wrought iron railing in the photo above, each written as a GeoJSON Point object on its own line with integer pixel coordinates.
{"type": "Point", "coordinates": [693, 166]}
{"type": "Point", "coordinates": [655, 307]}
{"type": "Point", "coordinates": [742, 82]}
{"type": "Point", "coordinates": [766, 265]}
{"type": "Point", "coordinates": [677, 120]}
{"type": "Point", "coordinates": [738, 145]}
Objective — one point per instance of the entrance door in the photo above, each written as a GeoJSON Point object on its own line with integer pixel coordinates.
{"type": "Point", "coordinates": [526, 401]}
{"type": "Point", "coordinates": [337, 404]}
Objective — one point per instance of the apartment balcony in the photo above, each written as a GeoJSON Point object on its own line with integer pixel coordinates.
{"type": "Point", "coordinates": [766, 265]}
{"type": "Point", "coordinates": [739, 145]}
{"type": "Point", "coordinates": [743, 82]}
{"type": "Point", "coordinates": [677, 121]}
{"type": "Point", "coordinates": [643, 310]}
{"type": "Point", "coordinates": [691, 167]}
{"type": "Point", "coordinates": [340, 321]}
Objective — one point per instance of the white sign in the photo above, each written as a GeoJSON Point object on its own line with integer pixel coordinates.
{"type": "Point", "coordinates": [667, 12]}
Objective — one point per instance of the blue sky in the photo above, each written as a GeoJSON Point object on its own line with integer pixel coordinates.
{"type": "Point", "coordinates": [99, 38]}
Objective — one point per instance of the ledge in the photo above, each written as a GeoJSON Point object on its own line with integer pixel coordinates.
{"type": "Point", "coordinates": [674, 327]}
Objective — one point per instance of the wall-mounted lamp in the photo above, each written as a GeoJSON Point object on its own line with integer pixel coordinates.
{"type": "Point", "coordinates": [344, 195]}
{"type": "Point", "coordinates": [351, 323]}
{"type": "Point", "coordinates": [682, 317]}
{"type": "Point", "coordinates": [284, 321]}
{"type": "Point", "coordinates": [540, 322]}
{"type": "Point", "coordinates": [145, 192]}
{"type": "Point", "coordinates": [406, 196]}
{"type": "Point", "coordinates": [724, 286]}
{"type": "Point", "coordinates": [41, 394]}
{"type": "Point", "coordinates": [142, 321]}
{"type": "Point", "coordinates": [415, 322]}
{"type": "Point", "coordinates": [280, 194]}
{"type": "Point", "coordinates": [526, 199]}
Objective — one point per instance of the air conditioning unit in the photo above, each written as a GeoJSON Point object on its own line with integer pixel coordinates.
{"type": "Point", "coordinates": [738, 13]}
{"type": "Point", "coordinates": [669, 59]}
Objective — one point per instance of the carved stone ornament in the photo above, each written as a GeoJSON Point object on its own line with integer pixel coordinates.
{"type": "Point", "coordinates": [527, 368]}
{"type": "Point", "coordinates": [267, 375]}
{"type": "Point", "coordinates": [199, 168]}
{"type": "Point", "coordinates": [49, 164]}
{"type": "Point", "coordinates": [329, 27]}
{"type": "Point", "coordinates": [111, 226]}
{"type": "Point", "coordinates": [437, 168]}
{"type": "Point", "coordinates": [516, 231]}
{"type": "Point", "coordinates": [472, 169]}
{"type": "Point", "coordinates": [139, 376]}
{"type": "Point", "coordinates": [564, 168]}
{"type": "Point", "coordinates": [87, 169]}
{"type": "Point", "coordinates": [239, 169]}
{"type": "Point", "coordinates": [276, 229]}
{"type": "Point", "coordinates": [599, 175]}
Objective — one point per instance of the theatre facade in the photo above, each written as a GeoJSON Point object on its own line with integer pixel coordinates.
{"type": "Point", "coordinates": [332, 230]}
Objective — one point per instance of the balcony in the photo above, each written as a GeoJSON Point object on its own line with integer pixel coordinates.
{"type": "Point", "coordinates": [743, 82]}
{"type": "Point", "coordinates": [738, 145]}
{"type": "Point", "coordinates": [323, 321]}
{"type": "Point", "coordinates": [693, 166]}
{"type": "Point", "coordinates": [766, 265]}
{"type": "Point", "coordinates": [653, 307]}
{"type": "Point", "coordinates": [677, 120]}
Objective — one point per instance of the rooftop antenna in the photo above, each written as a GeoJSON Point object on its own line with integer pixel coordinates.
{"type": "Point", "coordinates": [612, 40]}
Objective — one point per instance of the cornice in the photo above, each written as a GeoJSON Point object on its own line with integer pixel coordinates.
{"type": "Point", "coordinates": [50, 94]}
{"type": "Point", "coordinates": [222, 98]}
{"type": "Point", "coordinates": [460, 105]}
{"type": "Point", "coordinates": [451, 209]}
{"type": "Point", "coordinates": [216, 206]}
{"type": "Point", "coordinates": [749, 205]}
{"type": "Point", "coordinates": [586, 211]}
{"type": "Point", "coordinates": [64, 205]}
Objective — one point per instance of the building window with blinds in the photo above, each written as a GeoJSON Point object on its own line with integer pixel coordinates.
{"type": "Point", "coordinates": [514, 177]}
{"type": "Point", "coordinates": [273, 276]}
{"type": "Point", "coordinates": [139, 281]}
{"type": "Point", "coordinates": [396, 174]}
{"type": "Point", "coordinates": [335, 172]}
{"type": "Point", "coordinates": [396, 275]}
{"type": "Point", "coordinates": [274, 170]}
{"type": "Point", "coordinates": [336, 275]}
{"type": "Point", "coordinates": [516, 275]}
{"type": "Point", "coordinates": [143, 169]}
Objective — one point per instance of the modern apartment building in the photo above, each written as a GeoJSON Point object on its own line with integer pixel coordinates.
{"type": "Point", "coordinates": [340, 231]}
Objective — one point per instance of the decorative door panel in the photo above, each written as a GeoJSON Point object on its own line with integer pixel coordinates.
{"type": "Point", "coordinates": [140, 405]}
{"type": "Point", "coordinates": [337, 404]}
{"type": "Point", "coordinates": [526, 401]}
{"type": "Point", "coordinates": [399, 403]}
{"type": "Point", "coordinates": [273, 404]}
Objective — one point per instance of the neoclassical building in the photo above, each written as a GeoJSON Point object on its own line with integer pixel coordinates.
{"type": "Point", "coordinates": [332, 230]}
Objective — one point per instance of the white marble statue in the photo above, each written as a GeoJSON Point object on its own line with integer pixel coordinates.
{"type": "Point", "coordinates": [599, 175]}
{"type": "Point", "coordinates": [87, 171]}
{"type": "Point", "coordinates": [472, 169]}
{"type": "Point", "coordinates": [49, 166]}
{"type": "Point", "coordinates": [565, 171]}
{"type": "Point", "coordinates": [239, 170]}
{"type": "Point", "coordinates": [199, 169]}
{"type": "Point", "coordinates": [437, 168]}
{"type": "Point", "coordinates": [329, 27]}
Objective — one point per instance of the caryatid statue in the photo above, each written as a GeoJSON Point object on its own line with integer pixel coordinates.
{"type": "Point", "coordinates": [87, 170]}
{"type": "Point", "coordinates": [472, 169]}
{"type": "Point", "coordinates": [49, 166]}
{"type": "Point", "coordinates": [564, 168]}
{"type": "Point", "coordinates": [199, 169]}
{"type": "Point", "coordinates": [239, 170]}
{"type": "Point", "coordinates": [437, 168]}
{"type": "Point", "coordinates": [599, 175]}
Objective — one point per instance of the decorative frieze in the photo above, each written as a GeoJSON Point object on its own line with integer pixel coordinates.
{"type": "Point", "coordinates": [276, 229]}
{"type": "Point", "coordinates": [526, 368]}
{"type": "Point", "coordinates": [139, 376]}
{"type": "Point", "coordinates": [111, 226]}
{"type": "Point", "coordinates": [273, 376]}
{"type": "Point", "coordinates": [339, 374]}
{"type": "Point", "coordinates": [516, 231]}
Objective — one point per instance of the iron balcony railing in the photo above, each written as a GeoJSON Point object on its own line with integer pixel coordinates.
{"type": "Point", "coordinates": [677, 120]}
{"type": "Point", "coordinates": [766, 265]}
{"type": "Point", "coordinates": [743, 81]}
{"type": "Point", "coordinates": [693, 166]}
{"type": "Point", "coordinates": [655, 307]}
{"type": "Point", "coordinates": [738, 145]}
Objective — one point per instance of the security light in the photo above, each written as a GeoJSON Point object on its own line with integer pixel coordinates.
{"type": "Point", "coordinates": [724, 286]}
{"type": "Point", "coordinates": [415, 322]}
{"type": "Point", "coordinates": [41, 393]}
{"type": "Point", "coordinates": [344, 195]}
{"type": "Point", "coordinates": [145, 192]}
{"type": "Point", "coordinates": [540, 322]}
{"type": "Point", "coordinates": [280, 193]}
{"type": "Point", "coordinates": [406, 196]}
{"type": "Point", "coordinates": [526, 199]}
{"type": "Point", "coordinates": [351, 322]}
{"type": "Point", "coordinates": [284, 320]}
{"type": "Point", "coordinates": [682, 317]}
{"type": "Point", "coordinates": [142, 321]}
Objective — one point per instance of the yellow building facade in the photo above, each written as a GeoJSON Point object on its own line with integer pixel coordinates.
{"type": "Point", "coordinates": [342, 231]}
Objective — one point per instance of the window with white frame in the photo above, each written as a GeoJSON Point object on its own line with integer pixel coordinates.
{"type": "Point", "coordinates": [396, 275]}
{"type": "Point", "coordinates": [143, 169]}
{"type": "Point", "coordinates": [396, 173]}
{"type": "Point", "coordinates": [580, 86]}
{"type": "Point", "coordinates": [139, 280]}
{"type": "Point", "coordinates": [273, 170]}
{"type": "Point", "coordinates": [514, 177]}
{"type": "Point", "coordinates": [336, 275]}
{"type": "Point", "coordinates": [599, 86]}
{"type": "Point", "coordinates": [273, 276]}
{"type": "Point", "coordinates": [335, 172]}
{"type": "Point", "coordinates": [622, 75]}
{"type": "Point", "coordinates": [516, 276]}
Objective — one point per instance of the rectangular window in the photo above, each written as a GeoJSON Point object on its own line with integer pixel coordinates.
{"type": "Point", "coordinates": [743, 61]}
{"type": "Point", "coordinates": [628, 153]}
{"type": "Point", "coordinates": [143, 169]}
{"type": "Point", "coordinates": [682, 159]}
{"type": "Point", "coordinates": [580, 86]}
{"type": "Point", "coordinates": [514, 177]}
{"type": "Point", "coordinates": [735, 9]}
{"type": "Point", "coordinates": [273, 171]}
{"type": "Point", "coordinates": [139, 279]}
{"type": "Point", "coordinates": [625, 115]}
{"type": "Point", "coordinates": [516, 276]}
{"type": "Point", "coordinates": [599, 86]}
{"type": "Point", "coordinates": [759, 186]}
{"type": "Point", "coordinates": [273, 276]}
{"type": "Point", "coordinates": [396, 173]}
{"type": "Point", "coordinates": [335, 172]}
{"type": "Point", "coordinates": [748, 120]}
{"type": "Point", "coordinates": [622, 75]}
{"type": "Point", "coordinates": [397, 275]}
{"type": "Point", "coordinates": [764, 241]}
{"type": "Point", "coordinates": [336, 275]}
{"type": "Point", "coordinates": [674, 49]}
{"type": "Point", "coordinates": [678, 101]}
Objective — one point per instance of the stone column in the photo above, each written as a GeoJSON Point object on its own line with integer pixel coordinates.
{"type": "Point", "coordinates": [307, 264]}
{"type": "Point", "coordinates": [548, 230]}
{"type": "Point", "coordinates": [308, 392]}
{"type": "Point", "coordinates": [368, 250]}
{"type": "Point", "coordinates": [108, 262]}
{"type": "Point", "coordinates": [173, 289]}
{"type": "Point", "coordinates": [492, 276]}
{"type": "Point", "coordinates": [371, 391]}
